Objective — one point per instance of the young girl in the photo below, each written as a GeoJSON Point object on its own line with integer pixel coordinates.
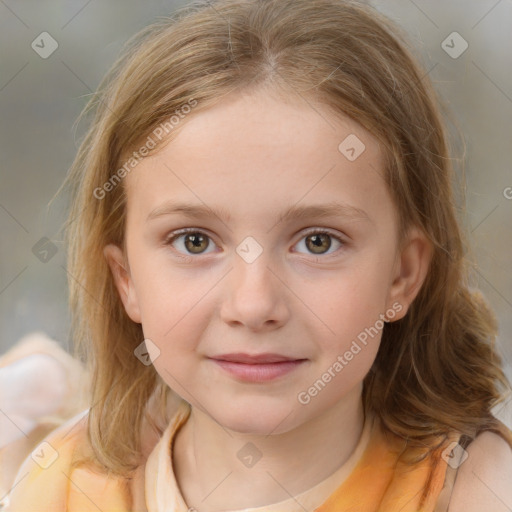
{"type": "Point", "coordinates": [269, 280]}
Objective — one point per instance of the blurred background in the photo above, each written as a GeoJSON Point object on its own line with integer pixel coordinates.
{"type": "Point", "coordinates": [54, 54]}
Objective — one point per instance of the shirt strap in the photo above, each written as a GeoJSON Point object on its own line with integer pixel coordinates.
{"type": "Point", "coordinates": [445, 495]}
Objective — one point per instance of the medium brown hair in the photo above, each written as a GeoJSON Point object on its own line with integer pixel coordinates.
{"type": "Point", "coordinates": [436, 370]}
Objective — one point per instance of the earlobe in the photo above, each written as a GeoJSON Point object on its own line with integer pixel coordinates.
{"type": "Point", "coordinates": [411, 270]}
{"type": "Point", "coordinates": [123, 281]}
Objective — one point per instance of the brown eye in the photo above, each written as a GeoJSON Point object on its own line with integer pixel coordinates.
{"type": "Point", "coordinates": [195, 242]}
{"type": "Point", "coordinates": [318, 243]}
{"type": "Point", "coordinates": [189, 242]}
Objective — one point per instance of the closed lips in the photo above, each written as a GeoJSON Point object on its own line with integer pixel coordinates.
{"type": "Point", "coordinates": [255, 359]}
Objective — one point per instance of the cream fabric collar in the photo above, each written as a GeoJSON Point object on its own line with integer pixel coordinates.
{"type": "Point", "coordinates": [163, 493]}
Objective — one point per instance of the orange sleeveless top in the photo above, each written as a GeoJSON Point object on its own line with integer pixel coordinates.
{"type": "Point", "coordinates": [374, 479]}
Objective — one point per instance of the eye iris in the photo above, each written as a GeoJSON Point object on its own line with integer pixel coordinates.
{"type": "Point", "coordinates": [193, 242]}
{"type": "Point", "coordinates": [317, 242]}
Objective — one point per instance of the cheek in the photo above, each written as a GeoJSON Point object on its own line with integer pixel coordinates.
{"type": "Point", "coordinates": [351, 308]}
{"type": "Point", "coordinates": [352, 299]}
{"type": "Point", "coordinates": [177, 338]}
{"type": "Point", "coordinates": [175, 311]}
{"type": "Point", "coordinates": [346, 357]}
{"type": "Point", "coordinates": [168, 298]}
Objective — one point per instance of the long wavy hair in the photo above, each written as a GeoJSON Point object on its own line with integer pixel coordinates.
{"type": "Point", "coordinates": [437, 370]}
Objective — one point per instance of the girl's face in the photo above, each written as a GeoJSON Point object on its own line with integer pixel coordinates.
{"type": "Point", "coordinates": [310, 286]}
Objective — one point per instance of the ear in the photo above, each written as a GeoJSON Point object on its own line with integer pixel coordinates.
{"type": "Point", "coordinates": [410, 271]}
{"type": "Point", "coordinates": [123, 281]}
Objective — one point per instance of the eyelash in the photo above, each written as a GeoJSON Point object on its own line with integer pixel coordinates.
{"type": "Point", "coordinates": [172, 237]}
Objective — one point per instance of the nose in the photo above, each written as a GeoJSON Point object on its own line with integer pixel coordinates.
{"type": "Point", "coordinates": [255, 297]}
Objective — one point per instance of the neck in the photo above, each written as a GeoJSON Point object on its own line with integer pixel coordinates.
{"type": "Point", "coordinates": [212, 478]}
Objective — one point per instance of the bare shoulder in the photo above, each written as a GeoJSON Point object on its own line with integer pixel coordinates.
{"type": "Point", "coordinates": [484, 479]}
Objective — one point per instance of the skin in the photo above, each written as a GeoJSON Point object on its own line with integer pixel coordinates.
{"type": "Point", "coordinates": [483, 479]}
{"type": "Point", "coordinates": [255, 155]}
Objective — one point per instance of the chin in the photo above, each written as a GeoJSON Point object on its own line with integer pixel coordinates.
{"type": "Point", "coordinates": [256, 419]}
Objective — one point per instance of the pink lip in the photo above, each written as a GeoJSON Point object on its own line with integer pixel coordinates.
{"type": "Point", "coordinates": [267, 357]}
{"type": "Point", "coordinates": [257, 368]}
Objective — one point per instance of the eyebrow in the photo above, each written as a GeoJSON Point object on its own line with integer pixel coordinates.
{"type": "Point", "coordinates": [294, 212]}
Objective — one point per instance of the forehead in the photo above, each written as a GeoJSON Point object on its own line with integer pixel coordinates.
{"type": "Point", "coordinates": [257, 150]}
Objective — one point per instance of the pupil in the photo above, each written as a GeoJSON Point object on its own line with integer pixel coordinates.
{"type": "Point", "coordinates": [195, 239]}
{"type": "Point", "coordinates": [317, 242]}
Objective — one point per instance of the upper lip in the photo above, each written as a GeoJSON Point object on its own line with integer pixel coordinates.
{"type": "Point", "coordinates": [254, 358]}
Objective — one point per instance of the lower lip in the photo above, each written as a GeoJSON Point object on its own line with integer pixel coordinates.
{"type": "Point", "coordinates": [259, 372]}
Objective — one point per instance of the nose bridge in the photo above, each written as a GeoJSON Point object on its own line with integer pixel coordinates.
{"type": "Point", "coordinates": [251, 262]}
{"type": "Point", "coordinates": [250, 249]}
{"type": "Point", "coordinates": [254, 292]}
